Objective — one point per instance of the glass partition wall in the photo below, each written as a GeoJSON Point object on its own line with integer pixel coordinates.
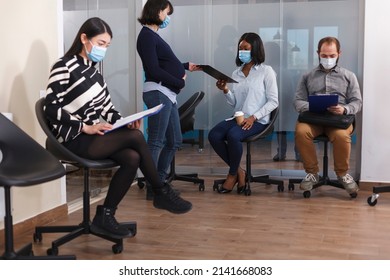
{"type": "Point", "coordinates": [207, 32]}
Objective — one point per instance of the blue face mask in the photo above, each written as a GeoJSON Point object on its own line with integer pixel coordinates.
{"type": "Point", "coordinates": [97, 53]}
{"type": "Point", "coordinates": [165, 22]}
{"type": "Point", "coordinates": [244, 56]}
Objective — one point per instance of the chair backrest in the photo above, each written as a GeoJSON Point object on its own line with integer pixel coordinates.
{"type": "Point", "coordinates": [24, 162]}
{"type": "Point", "coordinates": [60, 151]}
{"type": "Point", "coordinates": [268, 130]}
{"type": "Point", "coordinates": [187, 111]}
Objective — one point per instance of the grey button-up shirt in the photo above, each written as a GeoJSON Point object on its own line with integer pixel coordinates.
{"type": "Point", "coordinates": [339, 80]}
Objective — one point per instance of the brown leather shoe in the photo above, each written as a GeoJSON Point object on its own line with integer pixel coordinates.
{"type": "Point", "coordinates": [229, 184]}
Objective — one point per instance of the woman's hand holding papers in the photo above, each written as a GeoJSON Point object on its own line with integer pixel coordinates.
{"type": "Point", "coordinates": [99, 128]}
{"type": "Point", "coordinates": [135, 124]}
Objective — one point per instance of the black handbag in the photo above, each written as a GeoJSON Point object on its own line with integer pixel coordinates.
{"type": "Point", "coordinates": [327, 119]}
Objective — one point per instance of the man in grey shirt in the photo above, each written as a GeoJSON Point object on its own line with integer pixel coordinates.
{"type": "Point", "coordinates": [327, 77]}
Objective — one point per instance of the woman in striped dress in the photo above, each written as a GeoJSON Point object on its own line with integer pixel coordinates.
{"type": "Point", "coordinates": [77, 100]}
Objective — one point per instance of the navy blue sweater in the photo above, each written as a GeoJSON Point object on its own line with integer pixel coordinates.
{"type": "Point", "coordinates": [159, 62]}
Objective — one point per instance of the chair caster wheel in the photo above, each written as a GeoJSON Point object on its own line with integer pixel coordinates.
{"type": "Point", "coordinates": [306, 194]}
{"type": "Point", "coordinates": [248, 192]}
{"type": "Point", "coordinates": [52, 252]}
{"type": "Point", "coordinates": [117, 248]}
{"type": "Point", "coordinates": [140, 184]}
{"type": "Point", "coordinates": [37, 237]}
{"type": "Point", "coordinates": [373, 199]}
{"type": "Point", "coordinates": [217, 184]}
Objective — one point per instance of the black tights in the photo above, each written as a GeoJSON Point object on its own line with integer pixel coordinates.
{"type": "Point", "coordinates": [125, 146]}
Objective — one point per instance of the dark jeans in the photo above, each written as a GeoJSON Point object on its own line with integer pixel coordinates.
{"type": "Point", "coordinates": [164, 132]}
{"type": "Point", "coordinates": [226, 137]}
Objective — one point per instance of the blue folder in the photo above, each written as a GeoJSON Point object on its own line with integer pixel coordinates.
{"type": "Point", "coordinates": [320, 102]}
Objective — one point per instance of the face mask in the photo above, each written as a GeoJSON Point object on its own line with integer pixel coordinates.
{"type": "Point", "coordinates": [97, 53]}
{"type": "Point", "coordinates": [165, 22]}
{"type": "Point", "coordinates": [244, 56]}
{"type": "Point", "coordinates": [328, 63]}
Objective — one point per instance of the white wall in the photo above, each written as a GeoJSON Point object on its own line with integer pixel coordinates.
{"type": "Point", "coordinates": [376, 91]}
{"type": "Point", "coordinates": [29, 45]}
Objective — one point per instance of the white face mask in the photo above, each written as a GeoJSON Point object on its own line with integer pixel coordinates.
{"type": "Point", "coordinates": [328, 63]}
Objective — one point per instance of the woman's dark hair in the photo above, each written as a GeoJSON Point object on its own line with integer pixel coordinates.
{"type": "Point", "coordinates": [92, 27]}
{"type": "Point", "coordinates": [151, 11]}
{"type": "Point", "coordinates": [257, 52]}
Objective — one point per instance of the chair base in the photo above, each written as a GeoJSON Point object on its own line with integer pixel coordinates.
{"type": "Point", "coordinates": [75, 231]}
{"type": "Point", "coordinates": [373, 199]}
{"type": "Point", "coordinates": [175, 177]}
{"type": "Point", "coordinates": [323, 181]}
{"type": "Point", "coordinates": [265, 179]}
{"type": "Point", "coordinates": [172, 176]}
{"type": "Point", "coordinates": [26, 253]}
{"type": "Point", "coordinates": [193, 177]}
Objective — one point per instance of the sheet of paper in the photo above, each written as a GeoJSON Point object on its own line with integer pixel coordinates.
{"type": "Point", "coordinates": [129, 119]}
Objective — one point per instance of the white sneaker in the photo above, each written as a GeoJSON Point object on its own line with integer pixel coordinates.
{"type": "Point", "coordinates": [309, 181]}
{"type": "Point", "coordinates": [349, 184]}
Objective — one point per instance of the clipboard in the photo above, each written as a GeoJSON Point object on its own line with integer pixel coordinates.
{"type": "Point", "coordinates": [320, 102]}
{"type": "Point", "coordinates": [216, 73]}
{"type": "Point", "coordinates": [129, 119]}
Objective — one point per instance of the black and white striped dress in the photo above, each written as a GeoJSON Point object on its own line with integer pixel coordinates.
{"type": "Point", "coordinates": [76, 94]}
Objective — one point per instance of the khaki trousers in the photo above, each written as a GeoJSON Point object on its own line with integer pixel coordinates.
{"type": "Point", "coordinates": [340, 139]}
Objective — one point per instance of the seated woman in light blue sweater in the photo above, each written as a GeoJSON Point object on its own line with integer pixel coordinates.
{"type": "Point", "coordinates": [255, 94]}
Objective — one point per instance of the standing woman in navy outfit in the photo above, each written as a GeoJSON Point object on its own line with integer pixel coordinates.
{"type": "Point", "coordinates": [164, 78]}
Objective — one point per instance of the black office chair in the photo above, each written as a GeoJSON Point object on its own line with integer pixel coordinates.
{"type": "Point", "coordinates": [249, 177]}
{"type": "Point", "coordinates": [324, 179]}
{"type": "Point", "coordinates": [187, 120]}
{"type": "Point", "coordinates": [66, 156]}
{"type": "Point", "coordinates": [23, 163]}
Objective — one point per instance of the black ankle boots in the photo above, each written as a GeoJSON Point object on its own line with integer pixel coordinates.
{"type": "Point", "coordinates": [105, 222]}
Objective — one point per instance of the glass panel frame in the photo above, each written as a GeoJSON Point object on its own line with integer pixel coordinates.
{"type": "Point", "coordinates": [206, 32]}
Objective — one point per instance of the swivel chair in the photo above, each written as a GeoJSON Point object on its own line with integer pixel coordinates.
{"type": "Point", "coordinates": [23, 163]}
{"type": "Point", "coordinates": [324, 179]}
{"type": "Point", "coordinates": [66, 156]}
{"type": "Point", "coordinates": [187, 120]}
{"type": "Point", "coordinates": [249, 177]}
